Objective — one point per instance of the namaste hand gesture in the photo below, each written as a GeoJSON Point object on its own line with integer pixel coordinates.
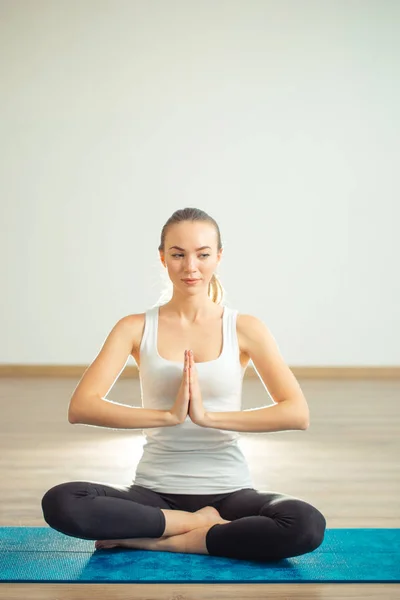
{"type": "Point", "coordinates": [196, 409]}
{"type": "Point", "coordinates": [189, 400]}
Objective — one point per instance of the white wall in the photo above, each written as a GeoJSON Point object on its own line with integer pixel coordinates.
{"type": "Point", "coordinates": [279, 118]}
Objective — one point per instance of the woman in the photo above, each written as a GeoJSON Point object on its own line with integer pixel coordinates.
{"type": "Point", "coordinates": [192, 490]}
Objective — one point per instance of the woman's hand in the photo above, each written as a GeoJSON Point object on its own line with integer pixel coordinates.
{"type": "Point", "coordinates": [196, 409]}
{"type": "Point", "coordinates": [180, 408]}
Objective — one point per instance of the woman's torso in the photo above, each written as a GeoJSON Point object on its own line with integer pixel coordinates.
{"type": "Point", "coordinates": [187, 458]}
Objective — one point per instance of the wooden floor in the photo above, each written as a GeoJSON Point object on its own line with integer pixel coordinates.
{"type": "Point", "coordinates": [346, 464]}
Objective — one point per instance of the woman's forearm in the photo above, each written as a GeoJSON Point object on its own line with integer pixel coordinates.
{"type": "Point", "coordinates": [101, 412]}
{"type": "Point", "coordinates": [285, 416]}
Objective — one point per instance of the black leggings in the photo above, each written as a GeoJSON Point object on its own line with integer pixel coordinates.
{"type": "Point", "coordinates": [264, 525]}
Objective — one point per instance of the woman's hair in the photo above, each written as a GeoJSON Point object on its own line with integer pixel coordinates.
{"type": "Point", "coordinates": [215, 289]}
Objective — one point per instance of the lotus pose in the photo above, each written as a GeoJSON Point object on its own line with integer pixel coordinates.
{"type": "Point", "coordinates": [192, 490]}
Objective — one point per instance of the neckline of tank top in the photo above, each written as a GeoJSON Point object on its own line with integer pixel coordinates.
{"type": "Point", "coordinates": [180, 362]}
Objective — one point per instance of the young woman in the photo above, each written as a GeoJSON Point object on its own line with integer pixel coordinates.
{"type": "Point", "coordinates": [192, 490]}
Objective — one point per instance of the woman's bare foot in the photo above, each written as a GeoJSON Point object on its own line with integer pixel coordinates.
{"type": "Point", "coordinates": [209, 516]}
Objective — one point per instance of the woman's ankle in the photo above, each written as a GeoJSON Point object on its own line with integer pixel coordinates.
{"type": "Point", "coordinates": [180, 521]}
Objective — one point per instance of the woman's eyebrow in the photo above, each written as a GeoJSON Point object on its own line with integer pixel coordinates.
{"type": "Point", "coordinates": [178, 248]}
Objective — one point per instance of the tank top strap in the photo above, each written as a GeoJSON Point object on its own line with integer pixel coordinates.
{"type": "Point", "coordinates": [231, 339]}
{"type": "Point", "coordinates": [149, 337]}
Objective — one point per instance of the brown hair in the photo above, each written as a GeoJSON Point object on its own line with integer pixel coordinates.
{"type": "Point", "coordinates": [215, 289]}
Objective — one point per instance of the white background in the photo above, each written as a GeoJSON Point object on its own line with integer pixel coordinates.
{"type": "Point", "coordinates": [278, 118]}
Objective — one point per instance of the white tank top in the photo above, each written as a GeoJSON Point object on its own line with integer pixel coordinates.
{"type": "Point", "coordinates": [187, 458]}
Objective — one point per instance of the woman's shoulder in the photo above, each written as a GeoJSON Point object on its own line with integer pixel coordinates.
{"type": "Point", "coordinates": [246, 320]}
{"type": "Point", "coordinates": [135, 324]}
{"type": "Point", "coordinates": [249, 326]}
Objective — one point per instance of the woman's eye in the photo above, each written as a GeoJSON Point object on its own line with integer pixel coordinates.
{"type": "Point", "coordinates": [174, 255]}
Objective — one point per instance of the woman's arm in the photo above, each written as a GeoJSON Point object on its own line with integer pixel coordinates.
{"type": "Point", "coordinates": [290, 410]}
{"type": "Point", "coordinates": [88, 405]}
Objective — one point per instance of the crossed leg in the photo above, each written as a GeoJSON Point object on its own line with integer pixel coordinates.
{"type": "Point", "coordinates": [251, 525]}
{"type": "Point", "coordinates": [193, 541]}
{"type": "Point", "coordinates": [248, 524]}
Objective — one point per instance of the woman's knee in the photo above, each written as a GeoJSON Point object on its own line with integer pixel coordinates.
{"type": "Point", "coordinates": [57, 505]}
{"type": "Point", "coordinates": [307, 523]}
{"type": "Point", "coordinates": [310, 526]}
{"type": "Point", "coordinates": [56, 496]}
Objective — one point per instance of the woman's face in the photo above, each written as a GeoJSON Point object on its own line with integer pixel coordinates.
{"type": "Point", "coordinates": [196, 255]}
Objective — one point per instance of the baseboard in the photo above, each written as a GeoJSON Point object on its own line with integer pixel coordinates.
{"type": "Point", "coordinates": [310, 372]}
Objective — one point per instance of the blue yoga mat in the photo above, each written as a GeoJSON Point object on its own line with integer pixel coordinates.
{"type": "Point", "coordinates": [41, 554]}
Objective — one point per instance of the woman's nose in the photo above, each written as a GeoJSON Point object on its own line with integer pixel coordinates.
{"type": "Point", "coordinates": [190, 264]}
